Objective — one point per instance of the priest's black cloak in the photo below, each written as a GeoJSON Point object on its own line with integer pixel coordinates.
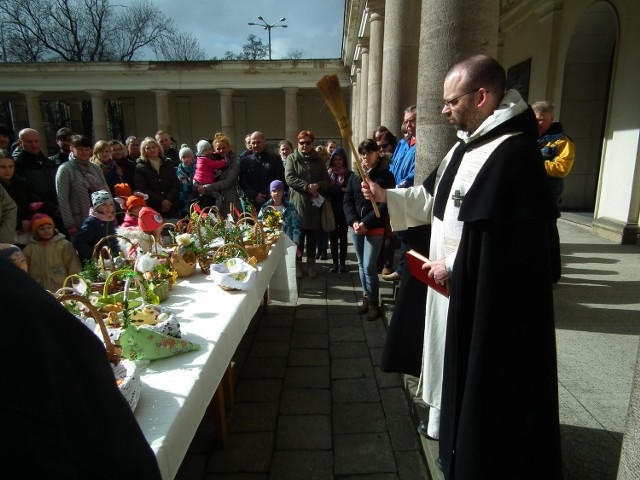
{"type": "Point", "coordinates": [499, 416]}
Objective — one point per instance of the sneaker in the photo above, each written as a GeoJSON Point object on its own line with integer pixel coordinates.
{"type": "Point", "coordinates": [392, 277]}
{"type": "Point", "coordinates": [334, 269]}
{"type": "Point", "coordinates": [343, 269]}
{"type": "Point", "coordinates": [387, 271]}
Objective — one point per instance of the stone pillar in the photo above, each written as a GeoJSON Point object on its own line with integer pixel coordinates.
{"type": "Point", "coordinates": [162, 110]}
{"type": "Point", "coordinates": [361, 132]}
{"type": "Point", "coordinates": [291, 128]}
{"type": "Point", "coordinates": [34, 114]}
{"type": "Point", "coordinates": [99, 115]}
{"type": "Point", "coordinates": [399, 61]}
{"type": "Point", "coordinates": [374, 87]}
{"type": "Point", "coordinates": [355, 108]}
{"type": "Point", "coordinates": [450, 31]}
{"type": "Point", "coordinates": [355, 102]}
{"type": "Point", "coordinates": [128, 105]}
{"type": "Point", "coordinates": [227, 118]}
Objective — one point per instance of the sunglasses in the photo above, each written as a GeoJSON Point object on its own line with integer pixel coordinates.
{"type": "Point", "coordinates": [383, 145]}
{"type": "Point", "coordinates": [302, 142]}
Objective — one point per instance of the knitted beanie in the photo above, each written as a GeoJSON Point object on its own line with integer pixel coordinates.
{"type": "Point", "coordinates": [136, 200]}
{"type": "Point", "coordinates": [149, 219]}
{"type": "Point", "coordinates": [276, 185]}
{"type": "Point", "coordinates": [202, 144]}
{"type": "Point", "coordinates": [100, 198]}
{"type": "Point", "coordinates": [122, 189]}
{"type": "Point", "coordinates": [40, 219]}
{"type": "Point", "coordinates": [185, 150]}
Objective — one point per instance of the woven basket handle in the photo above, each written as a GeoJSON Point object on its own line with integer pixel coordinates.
{"type": "Point", "coordinates": [113, 351]}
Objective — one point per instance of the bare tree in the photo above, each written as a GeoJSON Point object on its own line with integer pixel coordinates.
{"type": "Point", "coordinates": [179, 47]}
{"type": "Point", "coordinates": [254, 49]}
{"type": "Point", "coordinates": [87, 31]}
{"type": "Point", "coordinates": [295, 54]}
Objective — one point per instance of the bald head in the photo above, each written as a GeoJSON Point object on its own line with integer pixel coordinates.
{"type": "Point", "coordinates": [30, 140]}
{"type": "Point", "coordinates": [258, 142]}
{"type": "Point", "coordinates": [473, 90]}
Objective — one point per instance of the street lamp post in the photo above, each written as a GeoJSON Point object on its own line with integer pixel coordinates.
{"type": "Point", "coordinates": [268, 27]}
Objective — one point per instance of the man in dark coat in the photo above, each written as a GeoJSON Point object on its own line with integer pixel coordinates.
{"type": "Point", "coordinates": [258, 170]}
{"type": "Point", "coordinates": [499, 403]}
{"type": "Point", "coordinates": [65, 415]}
{"type": "Point", "coordinates": [40, 173]}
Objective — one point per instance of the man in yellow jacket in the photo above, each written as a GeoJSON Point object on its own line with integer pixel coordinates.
{"type": "Point", "coordinates": [557, 148]}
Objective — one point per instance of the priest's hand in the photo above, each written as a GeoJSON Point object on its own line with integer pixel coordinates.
{"type": "Point", "coordinates": [439, 271]}
{"type": "Point", "coordinates": [374, 192]}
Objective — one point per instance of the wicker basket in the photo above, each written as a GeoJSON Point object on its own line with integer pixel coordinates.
{"type": "Point", "coordinates": [229, 250]}
{"type": "Point", "coordinates": [183, 264]}
{"type": "Point", "coordinates": [161, 289]}
{"type": "Point", "coordinates": [259, 247]}
{"type": "Point", "coordinates": [102, 251]}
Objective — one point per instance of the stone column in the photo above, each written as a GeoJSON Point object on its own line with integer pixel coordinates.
{"type": "Point", "coordinates": [355, 104]}
{"type": "Point", "coordinates": [34, 114]}
{"type": "Point", "coordinates": [162, 109]}
{"type": "Point", "coordinates": [374, 87]}
{"type": "Point", "coordinates": [450, 31]}
{"type": "Point", "coordinates": [99, 115]}
{"type": "Point", "coordinates": [399, 61]}
{"type": "Point", "coordinates": [128, 105]}
{"type": "Point", "coordinates": [291, 128]}
{"type": "Point", "coordinates": [227, 118]}
{"type": "Point", "coordinates": [361, 132]}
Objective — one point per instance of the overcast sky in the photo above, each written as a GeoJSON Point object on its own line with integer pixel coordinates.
{"type": "Point", "coordinates": [314, 27]}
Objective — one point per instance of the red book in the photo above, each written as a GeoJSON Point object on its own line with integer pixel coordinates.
{"type": "Point", "coordinates": [415, 262]}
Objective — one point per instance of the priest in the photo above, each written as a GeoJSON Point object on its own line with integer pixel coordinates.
{"type": "Point", "coordinates": [489, 352]}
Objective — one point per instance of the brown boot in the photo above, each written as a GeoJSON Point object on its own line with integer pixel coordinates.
{"type": "Point", "coordinates": [311, 268]}
{"type": "Point", "coordinates": [374, 309]}
{"type": "Point", "coordinates": [364, 308]}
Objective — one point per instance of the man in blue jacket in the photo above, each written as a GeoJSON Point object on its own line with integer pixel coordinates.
{"type": "Point", "coordinates": [403, 169]}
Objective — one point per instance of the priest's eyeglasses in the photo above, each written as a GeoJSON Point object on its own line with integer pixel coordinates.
{"type": "Point", "coordinates": [454, 101]}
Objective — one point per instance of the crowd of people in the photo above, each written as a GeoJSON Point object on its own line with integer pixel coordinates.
{"type": "Point", "coordinates": [87, 191]}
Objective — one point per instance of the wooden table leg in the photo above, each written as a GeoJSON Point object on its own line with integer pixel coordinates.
{"type": "Point", "coordinates": [266, 300]}
{"type": "Point", "coordinates": [220, 416]}
{"type": "Point", "coordinates": [227, 381]}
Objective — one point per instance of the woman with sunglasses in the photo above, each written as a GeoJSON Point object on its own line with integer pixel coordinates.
{"type": "Point", "coordinates": [308, 180]}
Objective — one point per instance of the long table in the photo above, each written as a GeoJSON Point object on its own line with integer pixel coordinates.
{"type": "Point", "coordinates": [177, 390]}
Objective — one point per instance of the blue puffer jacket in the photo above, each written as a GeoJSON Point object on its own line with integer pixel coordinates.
{"type": "Point", "coordinates": [403, 164]}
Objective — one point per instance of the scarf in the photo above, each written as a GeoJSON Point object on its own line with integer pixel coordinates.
{"type": "Point", "coordinates": [102, 216]}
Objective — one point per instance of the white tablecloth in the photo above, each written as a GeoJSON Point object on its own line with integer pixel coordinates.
{"type": "Point", "coordinates": [177, 390]}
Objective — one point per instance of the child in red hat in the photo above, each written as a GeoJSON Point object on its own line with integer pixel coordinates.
{"type": "Point", "coordinates": [51, 258]}
{"type": "Point", "coordinates": [146, 236]}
